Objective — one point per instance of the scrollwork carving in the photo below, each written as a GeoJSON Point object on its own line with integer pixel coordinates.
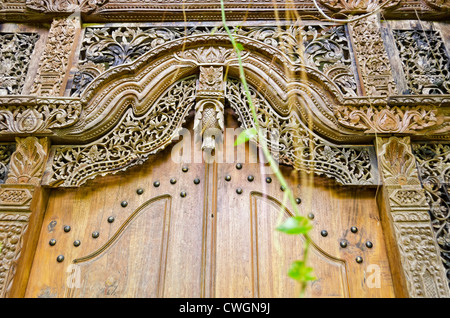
{"type": "Point", "coordinates": [372, 58]}
{"type": "Point", "coordinates": [54, 60]}
{"type": "Point", "coordinates": [39, 116]}
{"type": "Point", "coordinates": [64, 6]}
{"type": "Point", "coordinates": [425, 61]}
{"type": "Point", "coordinates": [299, 147]}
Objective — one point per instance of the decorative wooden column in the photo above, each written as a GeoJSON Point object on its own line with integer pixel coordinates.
{"type": "Point", "coordinates": [406, 221]}
{"type": "Point", "coordinates": [22, 203]}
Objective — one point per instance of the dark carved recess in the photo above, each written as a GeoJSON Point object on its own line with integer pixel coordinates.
{"type": "Point", "coordinates": [433, 162]}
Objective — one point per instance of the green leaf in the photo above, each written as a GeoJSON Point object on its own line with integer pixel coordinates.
{"type": "Point", "coordinates": [300, 272]}
{"type": "Point", "coordinates": [245, 136]}
{"type": "Point", "coordinates": [1, 247]}
{"type": "Point", "coordinates": [240, 47]}
{"type": "Point", "coordinates": [295, 225]}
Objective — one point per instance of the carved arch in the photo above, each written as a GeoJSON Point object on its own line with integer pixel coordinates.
{"type": "Point", "coordinates": [312, 92]}
{"type": "Point", "coordinates": [136, 137]}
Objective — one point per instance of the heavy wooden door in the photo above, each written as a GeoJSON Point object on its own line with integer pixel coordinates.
{"type": "Point", "coordinates": [167, 229]}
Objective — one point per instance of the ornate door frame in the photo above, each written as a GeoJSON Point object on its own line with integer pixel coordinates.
{"type": "Point", "coordinates": [332, 111]}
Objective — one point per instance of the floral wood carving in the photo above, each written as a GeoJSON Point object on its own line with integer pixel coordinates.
{"type": "Point", "coordinates": [55, 59]}
{"type": "Point", "coordinates": [355, 6]}
{"type": "Point", "coordinates": [372, 58]}
{"type": "Point", "coordinates": [28, 161]}
{"type": "Point", "coordinates": [433, 163]}
{"type": "Point", "coordinates": [425, 61]}
{"type": "Point", "coordinates": [6, 150]}
{"type": "Point", "coordinates": [11, 240]}
{"type": "Point", "coordinates": [372, 119]}
{"type": "Point", "coordinates": [22, 116]}
{"type": "Point", "coordinates": [134, 139]}
{"type": "Point", "coordinates": [64, 6]}
{"type": "Point", "coordinates": [15, 54]}
{"type": "Point", "coordinates": [297, 145]}
{"type": "Point", "coordinates": [408, 210]}
{"type": "Point", "coordinates": [325, 48]}
{"type": "Point", "coordinates": [129, 143]}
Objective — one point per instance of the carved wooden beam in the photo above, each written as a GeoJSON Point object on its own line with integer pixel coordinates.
{"type": "Point", "coordinates": [150, 10]}
{"type": "Point", "coordinates": [21, 203]}
{"type": "Point", "coordinates": [52, 73]}
{"type": "Point", "coordinates": [407, 223]}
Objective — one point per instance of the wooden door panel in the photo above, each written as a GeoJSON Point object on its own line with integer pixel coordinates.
{"type": "Point", "coordinates": [124, 266]}
{"type": "Point", "coordinates": [213, 242]}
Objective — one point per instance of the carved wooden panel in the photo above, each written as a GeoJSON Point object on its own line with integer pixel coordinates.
{"type": "Point", "coordinates": [193, 233]}
{"type": "Point", "coordinates": [15, 53]}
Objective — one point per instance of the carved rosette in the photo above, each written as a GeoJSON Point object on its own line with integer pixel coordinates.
{"type": "Point", "coordinates": [408, 211]}
{"type": "Point", "coordinates": [371, 57]}
{"type": "Point", "coordinates": [54, 61]}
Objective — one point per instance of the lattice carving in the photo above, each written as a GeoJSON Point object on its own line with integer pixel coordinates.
{"type": "Point", "coordinates": [15, 54]}
{"type": "Point", "coordinates": [372, 58]}
{"type": "Point", "coordinates": [135, 138]}
{"type": "Point", "coordinates": [54, 60]}
{"type": "Point", "coordinates": [325, 48]}
{"type": "Point", "coordinates": [425, 61]}
{"type": "Point", "coordinates": [299, 147]}
{"type": "Point", "coordinates": [433, 162]}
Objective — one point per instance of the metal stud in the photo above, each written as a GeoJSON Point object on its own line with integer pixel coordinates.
{"type": "Point", "coordinates": [311, 216]}
{"type": "Point", "coordinates": [239, 166]}
{"type": "Point", "coordinates": [239, 191]}
{"type": "Point", "coordinates": [183, 194]}
{"type": "Point", "coordinates": [227, 178]}
{"type": "Point", "coordinates": [60, 258]}
{"type": "Point", "coordinates": [343, 243]}
{"type": "Point", "coordinates": [185, 169]}
{"type": "Point", "coordinates": [196, 180]}
{"type": "Point", "coordinates": [250, 178]}
{"type": "Point", "coordinates": [324, 233]}
{"type": "Point", "coordinates": [95, 234]}
{"type": "Point", "coordinates": [124, 204]}
{"type": "Point", "coordinates": [140, 191]}
{"type": "Point", "coordinates": [111, 219]}
{"type": "Point", "coordinates": [359, 260]}
{"type": "Point", "coordinates": [369, 244]}
{"type": "Point", "coordinates": [66, 228]}
{"type": "Point", "coordinates": [173, 181]}
{"type": "Point", "coordinates": [52, 242]}
{"type": "Point", "coordinates": [268, 179]}
{"type": "Point", "coordinates": [156, 184]}
{"type": "Point", "coordinates": [76, 243]}
{"type": "Point", "coordinates": [354, 229]}
{"type": "Point", "coordinates": [298, 200]}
